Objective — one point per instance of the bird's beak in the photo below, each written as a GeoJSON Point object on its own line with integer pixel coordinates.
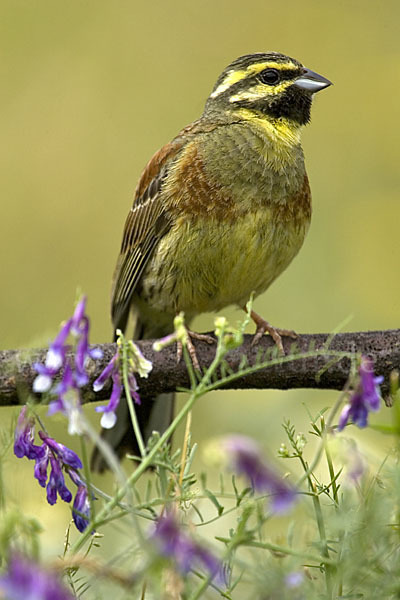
{"type": "Point", "coordinates": [311, 81]}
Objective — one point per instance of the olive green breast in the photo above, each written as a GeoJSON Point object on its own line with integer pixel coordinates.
{"type": "Point", "coordinates": [240, 207]}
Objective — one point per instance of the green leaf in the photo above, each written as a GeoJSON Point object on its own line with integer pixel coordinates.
{"type": "Point", "coordinates": [218, 506]}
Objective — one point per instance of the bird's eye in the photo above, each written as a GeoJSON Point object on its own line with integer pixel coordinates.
{"type": "Point", "coordinates": [270, 76]}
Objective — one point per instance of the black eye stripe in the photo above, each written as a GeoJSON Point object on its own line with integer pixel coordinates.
{"type": "Point", "coordinates": [287, 74]}
{"type": "Point", "coordinates": [253, 79]}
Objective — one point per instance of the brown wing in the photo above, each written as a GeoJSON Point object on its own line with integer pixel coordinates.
{"type": "Point", "coordinates": [146, 223]}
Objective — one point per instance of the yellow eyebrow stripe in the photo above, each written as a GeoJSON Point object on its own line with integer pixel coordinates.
{"type": "Point", "coordinates": [234, 76]}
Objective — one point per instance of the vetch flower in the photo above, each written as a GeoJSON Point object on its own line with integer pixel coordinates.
{"type": "Point", "coordinates": [134, 388]}
{"type": "Point", "coordinates": [61, 390]}
{"type": "Point", "coordinates": [67, 456]}
{"type": "Point", "coordinates": [27, 580]}
{"type": "Point", "coordinates": [43, 381]}
{"type": "Point", "coordinates": [137, 363]}
{"type": "Point", "coordinates": [109, 417]}
{"type": "Point", "coordinates": [83, 351]}
{"type": "Point", "coordinates": [74, 370]}
{"type": "Point", "coordinates": [68, 401]}
{"type": "Point", "coordinates": [246, 459]}
{"type": "Point", "coordinates": [79, 316]}
{"type": "Point", "coordinates": [61, 460]}
{"type": "Point", "coordinates": [174, 543]}
{"type": "Point", "coordinates": [24, 436]}
{"type": "Point", "coordinates": [106, 373]}
{"type": "Point", "coordinates": [56, 483]}
{"type": "Point", "coordinates": [57, 350]}
{"type": "Point", "coordinates": [365, 398]}
{"type": "Point", "coordinates": [81, 508]}
{"type": "Point", "coordinates": [41, 465]}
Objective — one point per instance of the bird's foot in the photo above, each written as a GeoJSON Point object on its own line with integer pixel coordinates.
{"type": "Point", "coordinates": [276, 333]}
{"type": "Point", "coordinates": [192, 335]}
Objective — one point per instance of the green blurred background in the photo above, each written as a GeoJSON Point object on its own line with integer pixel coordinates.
{"type": "Point", "coordinates": [90, 89]}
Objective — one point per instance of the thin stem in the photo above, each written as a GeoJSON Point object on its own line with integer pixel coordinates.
{"type": "Point", "coordinates": [335, 490]}
{"type": "Point", "coordinates": [192, 376]}
{"type": "Point", "coordinates": [335, 493]}
{"type": "Point", "coordinates": [321, 445]}
{"type": "Point", "coordinates": [321, 525]}
{"type": "Point", "coordinates": [289, 551]}
{"type": "Point", "coordinates": [324, 543]}
{"type": "Point", "coordinates": [271, 362]}
{"type": "Point", "coordinates": [115, 465]}
{"type": "Point", "coordinates": [129, 400]}
{"type": "Point", "coordinates": [204, 585]}
{"type": "Point", "coordinates": [86, 470]}
{"type": "Point", "coordinates": [185, 446]}
{"type": "Point", "coordinates": [147, 460]}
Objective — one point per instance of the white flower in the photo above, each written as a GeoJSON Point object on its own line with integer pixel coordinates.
{"type": "Point", "coordinates": [108, 420]}
{"type": "Point", "coordinates": [54, 359]}
{"type": "Point", "coordinates": [140, 364]}
{"type": "Point", "coordinates": [42, 383]}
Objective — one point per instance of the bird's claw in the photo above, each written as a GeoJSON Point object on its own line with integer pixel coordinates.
{"type": "Point", "coordinates": [275, 332]}
{"type": "Point", "coordinates": [192, 335]}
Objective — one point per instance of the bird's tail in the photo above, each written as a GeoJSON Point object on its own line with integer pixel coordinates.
{"type": "Point", "coordinates": [153, 414]}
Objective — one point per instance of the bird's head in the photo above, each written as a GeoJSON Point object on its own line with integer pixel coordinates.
{"type": "Point", "coordinates": [268, 85]}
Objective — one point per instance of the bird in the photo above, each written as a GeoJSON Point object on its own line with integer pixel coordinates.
{"type": "Point", "coordinates": [218, 214]}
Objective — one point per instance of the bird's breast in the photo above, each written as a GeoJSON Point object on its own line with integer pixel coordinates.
{"type": "Point", "coordinates": [238, 221]}
{"type": "Point", "coordinates": [205, 263]}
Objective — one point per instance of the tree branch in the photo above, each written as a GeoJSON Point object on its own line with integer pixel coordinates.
{"type": "Point", "coordinates": [17, 372]}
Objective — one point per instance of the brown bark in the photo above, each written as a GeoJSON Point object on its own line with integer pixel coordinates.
{"type": "Point", "coordinates": [17, 372]}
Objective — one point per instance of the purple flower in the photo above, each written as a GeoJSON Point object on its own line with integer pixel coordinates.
{"type": "Point", "coordinates": [133, 388]}
{"type": "Point", "coordinates": [26, 580]}
{"type": "Point", "coordinates": [61, 390]}
{"type": "Point", "coordinates": [74, 475]}
{"type": "Point", "coordinates": [67, 456]}
{"type": "Point", "coordinates": [246, 459]}
{"type": "Point", "coordinates": [57, 350]}
{"type": "Point", "coordinates": [294, 579]}
{"type": "Point", "coordinates": [56, 483]}
{"type": "Point", "coordinates": [82, 352]}
{"type": "Point", "coordinates": [81, 508]}
{"type": "Point", "coordinates": [60, 458]}
{"type": "Point", "coordinates": [44, 380]}
{"type": "Point", "coordinates": [365, 398]}
{"type": "Point", "coordinates": [109, 417]}
{"type": "Point", "coordinates": [112, 370]}
{"type": "Point", "coordinates": [80, 329]}
{"type": "Point", "coordinates": [74, 376]}
{"type": "Point", "coordinates": [68, 401]}
{"type": "Point", "coordinates": [78, 316]}
{"type": "Point", "coordinates": [106, 373]}
{"type": "Point", "coordinates": [24, 436]}
{"type": "Point", "coordinates": [40, 469]}
{"type": "Point", "coordinates": [177, 545]}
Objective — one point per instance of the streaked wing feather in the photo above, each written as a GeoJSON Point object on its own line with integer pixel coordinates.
{"type": "Point", "coordinates": [142, 234]}
{"type": "Point", "coordinates": [146, 223]}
